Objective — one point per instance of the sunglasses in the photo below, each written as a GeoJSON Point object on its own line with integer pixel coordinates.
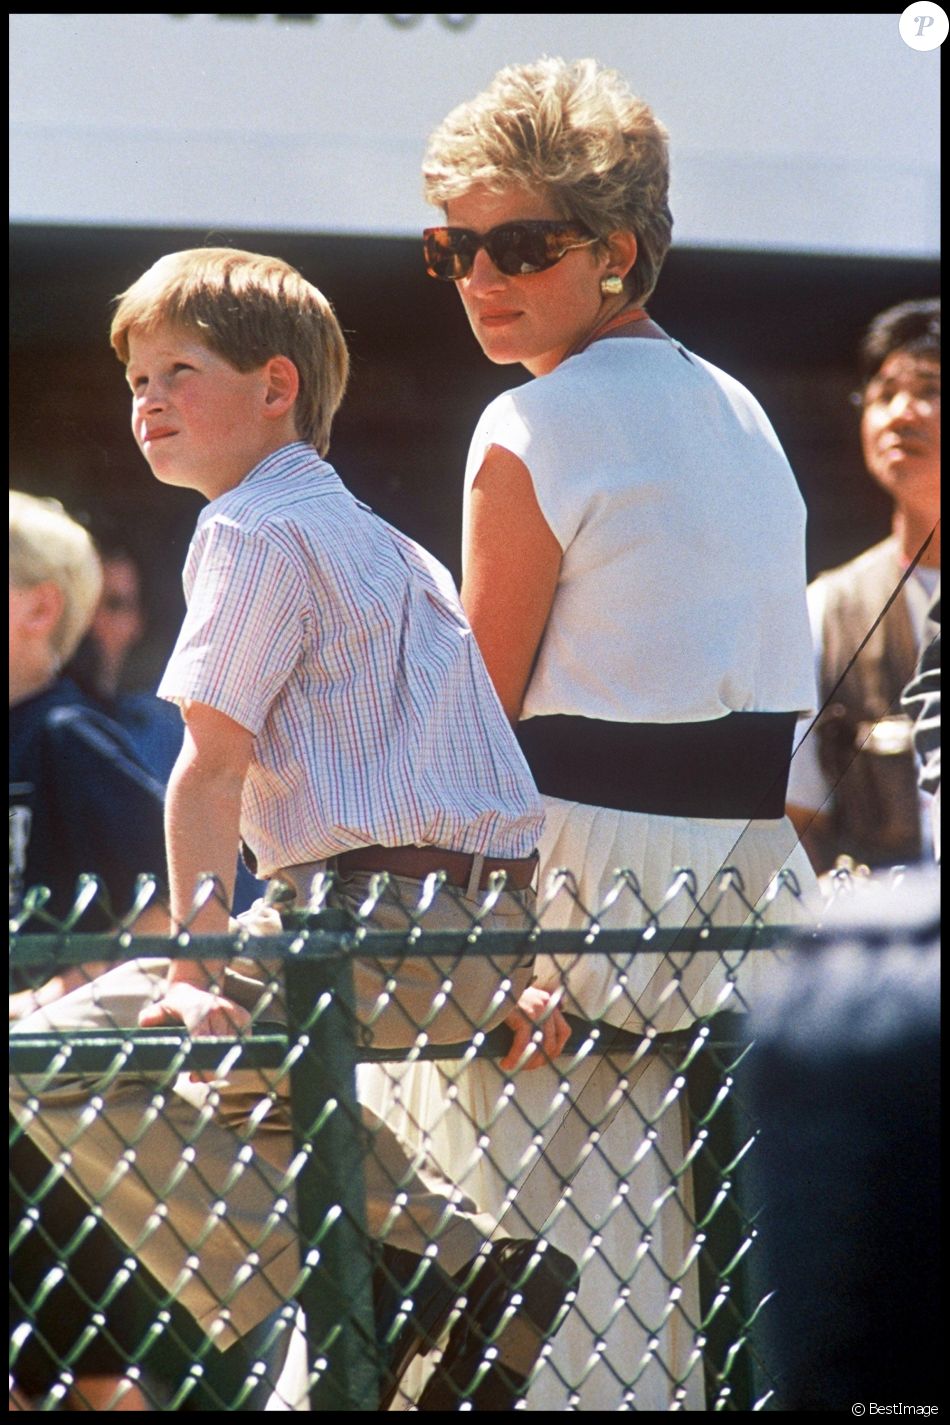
{"type": "Point", "coordinates": [516, 249]}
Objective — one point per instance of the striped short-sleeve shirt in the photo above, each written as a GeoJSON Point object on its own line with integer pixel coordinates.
{"type": "Point", "coordinates": [342, 646]}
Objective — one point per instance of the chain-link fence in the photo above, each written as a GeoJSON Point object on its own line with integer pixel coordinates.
{"type": "Point", "coordinates": [314, 1211]}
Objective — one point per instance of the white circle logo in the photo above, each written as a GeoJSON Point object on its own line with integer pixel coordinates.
{"type": "Point", "coordinates": [923, 25]}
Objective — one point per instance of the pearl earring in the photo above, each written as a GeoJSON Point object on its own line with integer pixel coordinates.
{"type": "Point", "coordinates": [611, 286]}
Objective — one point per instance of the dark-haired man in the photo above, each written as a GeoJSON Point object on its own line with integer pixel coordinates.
{"type": "Point", "coordinates": [853, 785]}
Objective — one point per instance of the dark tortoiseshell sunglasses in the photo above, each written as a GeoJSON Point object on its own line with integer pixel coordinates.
{"type": "Point", "coordinates": [516, 249]}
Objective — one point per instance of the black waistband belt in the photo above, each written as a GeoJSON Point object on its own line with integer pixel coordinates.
{"type": "Point", "coordinates": [730, 767]}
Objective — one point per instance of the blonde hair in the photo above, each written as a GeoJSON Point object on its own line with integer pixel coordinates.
{"type": "Point", "coordinates": [46, 545]}
{"type": "Point", "coordinates": [246, 308]}
{"type": "Point", "coordinates": [574, 131]}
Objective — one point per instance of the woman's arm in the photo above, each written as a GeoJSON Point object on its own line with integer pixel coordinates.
{"type": "Point", "coordinates": [510, 567]}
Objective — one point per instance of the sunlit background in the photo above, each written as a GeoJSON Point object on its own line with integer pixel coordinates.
{"type": "Point", "coordinates": [805, 198]}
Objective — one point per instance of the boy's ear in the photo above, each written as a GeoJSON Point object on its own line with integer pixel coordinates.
{"type": "Point", "coordinates": [283, 384]}
{"type": "Point", "coordinates": [43, 609]}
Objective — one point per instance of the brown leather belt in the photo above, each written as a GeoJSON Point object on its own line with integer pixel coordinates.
{"type": "Point", "coordinates": [417, 862]}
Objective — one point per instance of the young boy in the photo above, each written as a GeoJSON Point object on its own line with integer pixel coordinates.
{"type": "Point", "coordinates": [79, 801]}
{"type": "Point", "coordinates": [337, 715]}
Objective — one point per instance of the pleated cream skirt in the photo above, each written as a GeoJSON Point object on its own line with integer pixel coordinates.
{"type": "Point", "coordinates": [591, 1153]}
{"type": "Point", "coordinates": [679, 871]}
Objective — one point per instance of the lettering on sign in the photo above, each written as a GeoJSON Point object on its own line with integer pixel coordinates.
{"type": "Point", "coordinates": [399, 22]}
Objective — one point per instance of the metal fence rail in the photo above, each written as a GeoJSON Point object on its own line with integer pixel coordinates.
{"type": "Point", "coordinates": [713, 1291]}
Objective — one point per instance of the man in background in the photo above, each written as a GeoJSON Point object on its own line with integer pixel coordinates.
{"type": "Point", "coordinates": [853, 785]}
{"type": "Point", "coordinates": [101, 661]}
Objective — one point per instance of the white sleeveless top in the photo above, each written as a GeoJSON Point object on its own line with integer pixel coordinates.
{"type": "Point", "coordinates": [681, 595]}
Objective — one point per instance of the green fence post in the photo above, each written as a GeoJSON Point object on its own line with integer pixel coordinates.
{"type": "Point", "coordinates": [732, 1288]}
{"type": "Point", "coordinates": [336, 1291]}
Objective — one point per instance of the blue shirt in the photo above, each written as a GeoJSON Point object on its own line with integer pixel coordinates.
{"type": "Point", "coordinates": [84, 803]}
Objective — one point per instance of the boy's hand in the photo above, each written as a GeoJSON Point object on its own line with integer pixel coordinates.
{"type": "Point", "coordinates": [200, 1011]}
{"type": "Point", "coordinates": [536, 1012]}
{"type": "Point", "coordinates": [27, 1002]}
{"type": "Point", "coordinates": [23, 1003]}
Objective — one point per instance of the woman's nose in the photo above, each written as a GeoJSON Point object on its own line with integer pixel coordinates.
{"type": "Point", "coordinates": [484, 274]}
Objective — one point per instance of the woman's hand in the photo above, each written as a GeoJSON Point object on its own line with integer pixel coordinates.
{"type": "Point", "coordinates": [536, 1019]}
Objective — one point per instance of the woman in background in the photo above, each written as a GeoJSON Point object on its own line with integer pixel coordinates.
{"type": "Point", "coordinates": [634, 572]}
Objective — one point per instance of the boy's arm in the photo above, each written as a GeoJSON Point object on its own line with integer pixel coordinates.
{"type": "Point", "coordinates": [202, 831]}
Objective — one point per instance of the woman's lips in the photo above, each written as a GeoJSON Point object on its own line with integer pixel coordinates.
{"type": "Point", "coordinates": [498, 319]}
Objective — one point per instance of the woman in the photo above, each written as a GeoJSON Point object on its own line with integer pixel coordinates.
{"type": "Point", "coordinates": [634, 573]}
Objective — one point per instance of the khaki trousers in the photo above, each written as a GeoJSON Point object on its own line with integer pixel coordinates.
{"type": "Point", "coordinates": [193, 1177]}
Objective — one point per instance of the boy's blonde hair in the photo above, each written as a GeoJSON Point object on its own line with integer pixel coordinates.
{"type": "Point", "coordinates": [247, 309]}
{"type": "Point", "coordinates": [573, 131]}
{"type": "Point", "coordinates": [45, 544]}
